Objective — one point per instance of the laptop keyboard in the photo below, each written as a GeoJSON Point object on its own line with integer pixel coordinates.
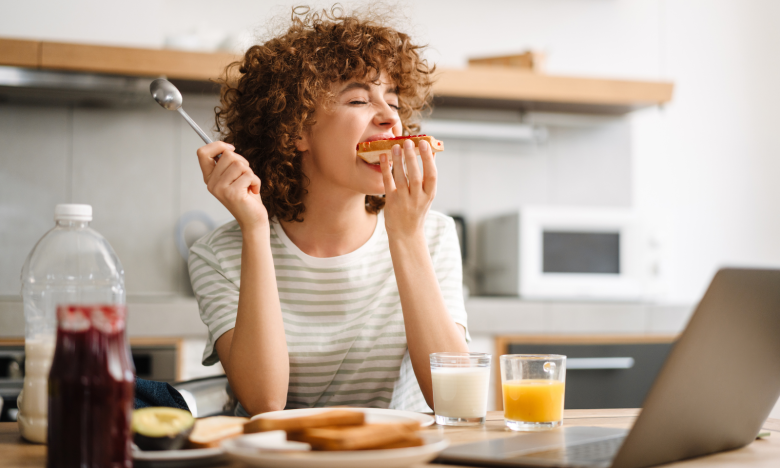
{"type": "Point", "coordinates": [593, 453]}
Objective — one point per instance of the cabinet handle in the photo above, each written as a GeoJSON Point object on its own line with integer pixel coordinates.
{"type": "Point", "coordinates": [595, 363]}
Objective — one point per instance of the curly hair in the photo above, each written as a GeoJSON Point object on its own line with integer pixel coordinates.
{"type": "Point", "coordinates": [269, 97]}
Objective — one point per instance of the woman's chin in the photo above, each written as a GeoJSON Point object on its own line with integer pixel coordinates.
{"type": "Point", "coordinates": [375, 189]}
{"type": "Point", "coordinates": [376, 193]}
{"type": "Point", "coordinates": [371, 179]}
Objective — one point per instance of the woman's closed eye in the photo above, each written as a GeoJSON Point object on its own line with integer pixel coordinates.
{"type": "Point", "coordinates": [360, 102]}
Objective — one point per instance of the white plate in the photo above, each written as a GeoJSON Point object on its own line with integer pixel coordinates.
{"type": "Point", "coordinates": [373, 415]}
{"type": "Point", "coordinates": [171, 458]}
{"type": "Point", "coordinates": [389, 458]}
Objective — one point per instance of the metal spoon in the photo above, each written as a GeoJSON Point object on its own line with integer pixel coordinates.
{"type": "Point", "coordinates": [169, 97]}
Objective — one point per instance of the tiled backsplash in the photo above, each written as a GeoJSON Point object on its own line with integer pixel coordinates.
{"type": "Point", "coordinates": [137, 168]}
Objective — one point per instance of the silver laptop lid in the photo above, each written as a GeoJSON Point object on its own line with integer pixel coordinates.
{"type": "Point", "coordinates": [720, 381]}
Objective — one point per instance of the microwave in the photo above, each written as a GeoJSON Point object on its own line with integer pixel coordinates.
{"type": "Point", "coordinates": [562, 253]}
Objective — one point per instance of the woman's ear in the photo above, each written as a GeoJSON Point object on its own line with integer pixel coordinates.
{"type": "Point", "coordinates": [302, 144]}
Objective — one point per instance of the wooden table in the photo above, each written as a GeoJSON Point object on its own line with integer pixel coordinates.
{"type": "Point", "coordinates": [15, 453]}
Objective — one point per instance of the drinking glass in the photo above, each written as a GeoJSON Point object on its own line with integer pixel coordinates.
{"type": "Point", "coordinates": [533, 386]}
{"type": "Point", "coordinates": [460, 388]}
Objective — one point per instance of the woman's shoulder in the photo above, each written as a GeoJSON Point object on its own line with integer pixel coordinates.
{"type": "Point", "coordinates": [437, 224]}
{"type": "Point", "coordinates": [437, 221]}
{"type": "Point", "coordinates": [226, 236]}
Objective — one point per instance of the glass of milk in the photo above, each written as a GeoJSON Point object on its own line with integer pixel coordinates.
{"type": "Point", "coordinates": [460, 388]}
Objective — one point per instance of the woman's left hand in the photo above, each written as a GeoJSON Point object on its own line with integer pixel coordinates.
{"type": "Point", "coordinates": [429, 327]}
{"type": "Point", "coordinates": [408, 196]}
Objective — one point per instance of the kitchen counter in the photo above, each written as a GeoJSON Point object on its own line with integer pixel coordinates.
{"type": "Point", "coordinates": [512, 316]}
{"type": "Point", "coordinates": [760, 453]}
{"type": "Point", "coordinates": [177, 320]}
{"type": "Point", "coordinates": [487, 316]}
{"type": "Point", "coordinates": [177, 317]}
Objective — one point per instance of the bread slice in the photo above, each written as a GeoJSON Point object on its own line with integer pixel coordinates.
{"type": "Point", "coordinates": [326, 418]}
{"type": "Point", "coordinates": [371, 150]}
{"type": "Point", "coordinates": [209, 432]}
{"type": "Point", "coordinates": [410, 440]}
{"type": "Point", "coordinates": [366, 437]}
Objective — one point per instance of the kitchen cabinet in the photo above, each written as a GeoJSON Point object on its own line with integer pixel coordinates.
{"type": "Point", "coordinates": [602, 371]}
{"type": "Point", "coordinates": [483, 87]}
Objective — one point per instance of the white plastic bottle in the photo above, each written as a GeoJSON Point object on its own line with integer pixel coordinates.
{"type": "Point", "coordinates": [71, 264]}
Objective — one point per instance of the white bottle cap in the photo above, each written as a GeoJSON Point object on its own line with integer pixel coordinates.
{"type": "Point", "coordinates": [73, 212]}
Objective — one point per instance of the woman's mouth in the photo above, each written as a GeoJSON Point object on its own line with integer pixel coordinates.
{"type": "Point", "coordinates": [378, 136]}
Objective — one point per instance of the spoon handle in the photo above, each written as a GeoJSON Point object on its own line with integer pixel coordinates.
{"type": "Point", "coordinates": [198, 130]}
{"type": "Point", "coordinates": [194, 126]}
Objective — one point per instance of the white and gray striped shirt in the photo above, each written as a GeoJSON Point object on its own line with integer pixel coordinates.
{"type": "Point", "coordinates": [342, 315]}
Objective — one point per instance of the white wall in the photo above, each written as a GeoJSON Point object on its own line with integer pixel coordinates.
{"type": "Point", "coordinates": [708, 164]}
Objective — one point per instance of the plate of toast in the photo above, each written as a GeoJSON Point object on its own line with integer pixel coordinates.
{"type": "Point", "coordinates": [372, 415]}
{"type": "Point", "coordinates": [335, 438]}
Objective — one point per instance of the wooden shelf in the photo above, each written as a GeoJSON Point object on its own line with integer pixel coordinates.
{"type": "Point", "coordinates": [137, 62]}
{"type": "Point", "coordinates": [477, 86]}
{"type": "Point", "coordinates": [19, 53]}
{"type": "Point", "coordinates": [511, 88]}
{"type": "Point", "coordinates": [194, 66]}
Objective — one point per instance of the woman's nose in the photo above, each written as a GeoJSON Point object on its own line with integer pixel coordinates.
{"type": "Point", "coordinates": [386, 116]}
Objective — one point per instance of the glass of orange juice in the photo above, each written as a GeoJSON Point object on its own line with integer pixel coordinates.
{"type": "Point", "coordinates": [533, 386]}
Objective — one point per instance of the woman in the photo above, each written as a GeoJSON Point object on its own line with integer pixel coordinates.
{"type": "Point", "coordinates": [323, 292]}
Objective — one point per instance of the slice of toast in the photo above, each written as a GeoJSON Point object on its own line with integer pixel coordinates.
{"type": "Point", "coordinates": [209, 432]}
{"type": "Point", "coordinates": [366, 437]}
{"type": "Point", "coordinates": [326, 418]}
{"type": "Point", "coordinates": [371, 150]}
{"type": "Point", "coordinates": [409, 441]}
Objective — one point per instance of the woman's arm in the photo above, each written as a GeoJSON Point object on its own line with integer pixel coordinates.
{"type": "Point", "coordinates": [429, 327]}
{"type": "Point", "coordinates": [254, 353]}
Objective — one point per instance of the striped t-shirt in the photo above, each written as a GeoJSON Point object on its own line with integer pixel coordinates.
{"type": "Point", "coordinates": [342, 315]}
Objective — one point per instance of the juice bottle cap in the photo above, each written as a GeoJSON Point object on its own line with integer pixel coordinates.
{"type": "Point", "coordinates": [73, 212]}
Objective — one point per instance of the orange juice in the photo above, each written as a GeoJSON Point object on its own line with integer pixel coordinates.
{"type": "Point", "coordinates": [533, 400]}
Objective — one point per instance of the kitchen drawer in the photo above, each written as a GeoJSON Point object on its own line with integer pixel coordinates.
{"type": "Point", "coordinates": [602, 372]}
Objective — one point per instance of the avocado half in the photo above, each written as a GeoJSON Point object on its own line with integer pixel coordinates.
{"type": "Point", "coordinates": [161, 428]}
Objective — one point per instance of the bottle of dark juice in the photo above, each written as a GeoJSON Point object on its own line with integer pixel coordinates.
{"type": "Point", "coordinates": [90, 389]}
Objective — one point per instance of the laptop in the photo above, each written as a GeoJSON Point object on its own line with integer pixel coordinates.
{"type": "Point", "coordinates": [714, 392]}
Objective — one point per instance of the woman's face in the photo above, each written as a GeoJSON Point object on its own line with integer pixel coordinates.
{"type": "Point", "coordinates": [361, 111]}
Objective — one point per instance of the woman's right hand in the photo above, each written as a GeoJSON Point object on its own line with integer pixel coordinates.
{"type": "Point", "coordinates": [233, 183]}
